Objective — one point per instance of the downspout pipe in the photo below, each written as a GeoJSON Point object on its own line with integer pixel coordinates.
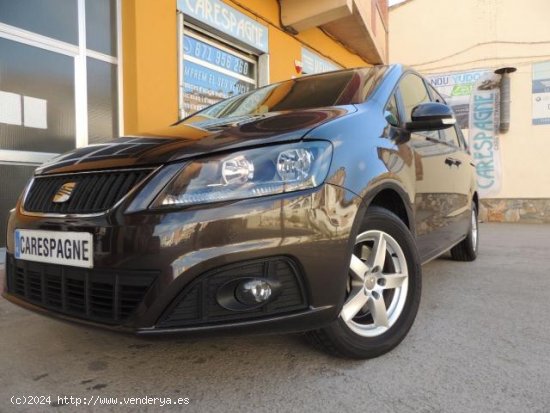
{"type": "Point", "coordinates": [505, 94]}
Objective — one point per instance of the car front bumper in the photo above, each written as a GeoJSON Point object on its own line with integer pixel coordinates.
{"type": "Point", "coordinates": [312, 230]}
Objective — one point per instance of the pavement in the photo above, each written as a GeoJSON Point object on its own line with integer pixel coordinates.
{"type": "Point", "coordinates": [480, 343]}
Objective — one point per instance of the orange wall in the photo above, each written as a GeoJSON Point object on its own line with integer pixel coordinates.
{"type": "Point", "coordinates": [150, 66]}
{"type": "Point", "coordinates": [285, 48]}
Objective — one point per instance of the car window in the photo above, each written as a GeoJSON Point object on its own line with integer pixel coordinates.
{"type": "Point", "coordinates": [413, 92]}
{"type": "Point", "coordinates": [343, 87]}
{"type": "Point", "coordinates": [461, 139]}
{"type": "Point", "coordinates": [391, 112]}
{"type": "Point", "coordinates": [450, 136]}
{"type": "Point", "coordinates": [436, 97]}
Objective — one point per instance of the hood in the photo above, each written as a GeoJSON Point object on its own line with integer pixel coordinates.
{"type": "Point", "coordinates": [195, 136]}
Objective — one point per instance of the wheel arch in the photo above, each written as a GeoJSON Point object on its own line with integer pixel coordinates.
{"type": "Point", "coordinates": [393, 197]}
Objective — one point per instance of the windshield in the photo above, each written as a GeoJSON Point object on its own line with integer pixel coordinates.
{"type": "Point", "coordinates": [328, 89]}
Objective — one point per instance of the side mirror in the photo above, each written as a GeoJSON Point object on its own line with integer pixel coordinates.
{"type": "Point", "coordinates": [431, 116]}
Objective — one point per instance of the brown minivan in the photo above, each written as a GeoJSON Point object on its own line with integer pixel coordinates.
{"type": "Point", "coordinates": [307, 205]}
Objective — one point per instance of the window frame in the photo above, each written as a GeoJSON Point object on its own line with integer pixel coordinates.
{"type": "Point", "coordinates": [393, 96]}
{"type": "Point", "coordinates": [80, 53]}
{"type": "Point", "coordinates": [397, 91]}
{"type": "Point", "coordinates": [197, 33]}
{"type": "Point", "coordinates": [261, 60]}
{"type": "Point", "coordinates": [436, 97]}
{"type": "Point", "coordinates": [397, 94]}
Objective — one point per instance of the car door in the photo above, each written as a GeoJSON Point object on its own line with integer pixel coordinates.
{"type": "Point", "coordinates": [463, 170]}
{"type": "Point", "coordinates": [464, 183]}
{"type": "Point", "coordinates": [435, 173]}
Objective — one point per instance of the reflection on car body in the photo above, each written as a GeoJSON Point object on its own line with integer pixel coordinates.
{"type": "Point", "coordinates": [307, 205]}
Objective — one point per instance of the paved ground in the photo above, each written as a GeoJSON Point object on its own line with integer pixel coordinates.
{"type": "Point", "coordinates": [481, 343]}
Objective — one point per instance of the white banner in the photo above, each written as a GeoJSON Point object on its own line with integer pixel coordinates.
{"type": "Point", "coordinates": [456, 88]}
{"type": "Point", "coordinates": [484, 141]}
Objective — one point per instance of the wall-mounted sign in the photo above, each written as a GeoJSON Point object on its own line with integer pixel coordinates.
{"type": "Point", "coordinates": [484, 141]}
{"type": "Point", "coordinates": [313, 63]}
{"type": "Point", "coordinates": [541, 93]}
{"type": "Point", "coordinates": [456, 89]}
{"type": "Point", "coordinates": [207, 53]}
{"type": "Point", "coordinates": [212, 72]}
{"type": "Point", "coordinates": [227, 22]}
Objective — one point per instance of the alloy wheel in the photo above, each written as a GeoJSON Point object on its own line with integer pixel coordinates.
{"type": "Point", "coordinates": [378, 284]}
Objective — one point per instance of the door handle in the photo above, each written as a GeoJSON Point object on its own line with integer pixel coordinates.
{"type": "Point", "coordinates": [452, 161]}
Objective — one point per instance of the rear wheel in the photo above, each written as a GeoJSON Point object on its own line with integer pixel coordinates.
{"type": "Point", "coordinates": [382, 294]}
{"type": "Point", "coordinates": [467, 249]}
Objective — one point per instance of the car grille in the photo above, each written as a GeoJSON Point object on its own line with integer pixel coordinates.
{"type": "Point", "coordinates": [197, 305]}
{"type": "Point", "coordinates": [94, 192]}
{"type": "Point", "coordinates": [104, 296]}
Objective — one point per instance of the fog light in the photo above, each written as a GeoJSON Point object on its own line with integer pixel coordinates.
{"type": "Point", "coordinates": [253, 292]}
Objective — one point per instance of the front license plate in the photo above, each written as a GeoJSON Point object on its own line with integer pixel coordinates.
{"type": "Point", "coordinates": [53, 247]}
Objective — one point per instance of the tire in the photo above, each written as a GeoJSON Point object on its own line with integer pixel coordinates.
{"type": "Point", "coordinates": [369, 334]}
{"type": "Point", "coordinates": [467, 249]}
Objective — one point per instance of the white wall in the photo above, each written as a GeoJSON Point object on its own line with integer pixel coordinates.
{"type": "Point", "coordinates": [437, 36]}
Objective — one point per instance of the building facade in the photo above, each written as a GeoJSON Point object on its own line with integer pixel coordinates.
{"type": "Point", "coordinates": [459, 45]}
{"type": "Point", "coordinates": [81, 72]}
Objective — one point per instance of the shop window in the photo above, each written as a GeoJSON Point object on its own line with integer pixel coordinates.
{"type": "Point", "coordinates": [101, 26]}
{"type": "Point", "coordinates": [102, 101]}
{"type": "Point", "coordinates": [37, 86]}
{"type": "Point", "coordinates": [54, 94]}
{"type": "Point", "coordinates": [213, 71]}
{"type": "Point", "coordinates": [57, 19]}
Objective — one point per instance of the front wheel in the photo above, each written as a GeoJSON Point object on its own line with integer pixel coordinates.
{"type": "Point", "coordinates": [383, 291]}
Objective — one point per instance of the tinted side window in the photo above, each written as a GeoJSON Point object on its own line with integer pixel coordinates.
{"type": "Point", "coordinates": [450, 136]}
{"type": "Point", "coordinates": [436, 96]}
{"type": "Point", "coordinates": [461, 139]}
{"type": "Point", "coordinates": [413, 93]}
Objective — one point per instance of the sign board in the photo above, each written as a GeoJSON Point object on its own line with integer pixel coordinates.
{"type": "Point", "coordinates": [541, 93]}
{"type": "Point", "coordinates": [484, 142]}
{"type": "Point", "coordinates": [227, 21]}
{"type": "Point", "coordinates": [456, 89]}
{"type": "Point", "coordinates": [313, 63]}
{"type": "Point", "coordinates": [212, 73]}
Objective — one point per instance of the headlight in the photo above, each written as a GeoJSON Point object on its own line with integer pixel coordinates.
{"type": "Point", "coordinates": [247, 174]}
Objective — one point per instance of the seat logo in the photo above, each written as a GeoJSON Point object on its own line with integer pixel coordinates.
{"type": "Point", "coordinates": [63, 194]}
